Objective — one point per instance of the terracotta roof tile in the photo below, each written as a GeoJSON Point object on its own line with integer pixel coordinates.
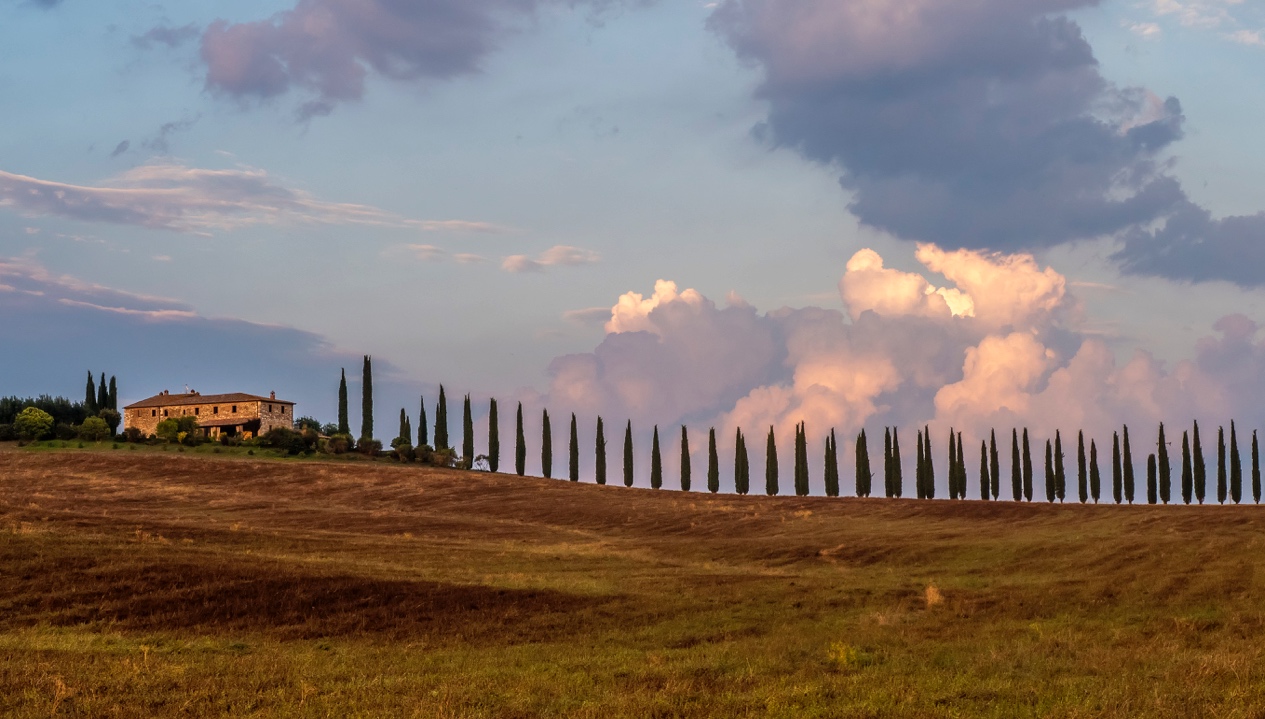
{"type": "Point", "coordinates": [182, 400]}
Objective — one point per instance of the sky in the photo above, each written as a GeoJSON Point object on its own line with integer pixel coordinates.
{"type": "Point", "coordinates": [852, 213]}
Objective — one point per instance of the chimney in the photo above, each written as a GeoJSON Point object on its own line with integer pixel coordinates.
{"type": "Point", "coordinates": [272, 395]}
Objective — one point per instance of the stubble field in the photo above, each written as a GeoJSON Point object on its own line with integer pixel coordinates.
{"type": "Point", "coordinates": [146, 584]}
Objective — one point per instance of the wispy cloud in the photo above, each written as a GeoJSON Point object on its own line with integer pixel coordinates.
{"type": "Point", "coordinates": [556, 255]}
{"type": "Point", "coordinates": [170, 196]}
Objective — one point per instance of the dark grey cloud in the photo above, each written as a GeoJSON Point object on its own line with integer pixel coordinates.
{"type": "Point", "coordinates": [121, 148]}
{"type": "Point", "coordinates": [166, 35]}
{"type": "Point", "coordinates": [1193, 246]}
{"type": "Point", "coordinates": [973, 123]}
{"type": "Point", "coordinates": [160, 142]}
{"type": "Point", "coordinates": [328, 47]}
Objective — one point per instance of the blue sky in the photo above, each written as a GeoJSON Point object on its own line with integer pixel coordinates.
{"type": "Point", "coordinates": [605, 146]}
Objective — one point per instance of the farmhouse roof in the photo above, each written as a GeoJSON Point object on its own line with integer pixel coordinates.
{"type": "Point", "coordinates": [177, 400]}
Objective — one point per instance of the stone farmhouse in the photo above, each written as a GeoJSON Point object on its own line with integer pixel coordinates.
{"type": "Point", "coordinates": [245, 415]}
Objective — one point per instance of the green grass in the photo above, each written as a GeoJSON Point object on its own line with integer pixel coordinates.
{"type": "Point", "coordinates": [152, 584]}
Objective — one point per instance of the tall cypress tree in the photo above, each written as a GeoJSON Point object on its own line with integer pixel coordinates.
{"type": "Point", "coordinates": [1060, 476]}
{"type": "Point", "coordinates": [1027, 467]}
{"type": "Point", "coordinates": [801, 456]}
{"type": "Point", "coordinates": [832, 465]}
{"type": "Point", "coordinates": [441, 420]}
{"type": "Point", "coordinates": [1165, 469]}
{"type": "Point", "coordinates": [1016, 474]}
{"type": "Point", "coordinates": [1128, 467]}
{"type": "Point", "coordinates": [770, 465]}
{"type": "Point", "coordinates": [887, 462]}
{"type": "Point", "coordinates": [863, 477]}
{"type": "Point", "coordinates": [1117, 473]}
{"type": "Point", "coordinates": [546, 446]}
{"type": "Point", "coordinates": [599, 459]}
{"type": "Point", "coordinates": [344, 426]}
{"type": "Point", "coordinates": [994, 465]}
{"type": "Point", "coordinates": [713, 463]}
{"type": "Point", "coordinates": [494, 437]}
{"type": "Point", "coordinates": [408, 429]}
{"type": "Point", "coordinates": [1082, 470]}
{"type": "Point", "coordinates": [656, 462]}
{"type": "Point", "coordinates": [920, 473]}
{"type": "Point", "coordinates": [520, 444]}
{"type": "Point", "coordinates": [953, 466]}
{"type": "Point", "coordinates": [403, 436]}
{"type": "Point", "coordinates": [422, 441]}
{"type": "Point", "coordinates": [467, 434]}
{"type": "Point", "coordinates": [930, 461]}
{"type": "Point", "coordinates": [573, 453]}
{"type": "Point", "coordinates": [898, 471]}
{"type": "Point", "coordinates": [103, 395]}
{"type": "Point", "coordinates": [685, 460]}
{"type": "Point", "coordinates": [742, 481]}
{"type": "Point", "coordinates": [628, 455]}
{"type": "Point", "coordinates": [1236, 467]}
{"type": "Point", "coordinates": [1049, 472]}
{"type": "Point", "coordinates": [90, 396]}
{"type": "Point", "coordinates": [1152, 482]}
{"type": "Point", "coordinates": [1221, 468]}
{"type": "Point", "coordinates": [985, 481]}
{"type": "Point", "coordinates": [366, 401]}
{"type": "Point", "coordinates": [1256, 470]}
{"type": "Point", "coordinates": [1199, 468]}
{"type": "Point", "coordinates": [114, 395]}
{"type": "Point", "coordinates": [1095, 480]}
{"type": "Point", "coordinates": [1188, 474]}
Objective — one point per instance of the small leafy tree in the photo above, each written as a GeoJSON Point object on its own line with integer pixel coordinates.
{"type": "Point", "coordinates": [94, 429]}
{"type": "Point", "coordinates": [34, 423]}
{"type": "Point", "coordinates": [112, 420]}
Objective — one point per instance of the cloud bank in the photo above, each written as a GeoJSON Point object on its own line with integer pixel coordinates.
{"type": "Point", "coordinates": [984, 124]}
{"type": "Point", "coordinates": [1003, 344]}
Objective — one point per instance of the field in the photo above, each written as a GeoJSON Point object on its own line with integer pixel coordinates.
{"type": "Point", "coordinates": [160, 584]}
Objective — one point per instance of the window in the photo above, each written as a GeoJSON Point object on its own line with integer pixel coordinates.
{"type": "Point", "coordinates": [164, 413]}
{"type": "Point", "coordinates": [234, 409]}
{"type": "Point", "coordinates": [215, 410]}
{"type": "Point", "coordinates": [153, 413]}
{"type": "Point", "coordinates": [269, 408]}
{"type": "Point", "coordinates": [197, 410]}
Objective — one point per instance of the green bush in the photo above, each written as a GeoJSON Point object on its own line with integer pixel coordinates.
{"type": "Point", "coordinates": [7, 433]}
{"type": "Point", "coordinates": [403, 452]}
{"type": "Point", "coordinates": [33, 423]}
{"type": "Point", "coordinates": [112, 420]}
{"type": "Point", "coordinates": [94, 429]}
{"type": "Point", "coordinates": [65, 432]}
{"type": "Point", "coordinates": [339, 444]}
{"type": "Point", "coordinates": [133, 435]}
{"type": "Point", "coordinates": [291, 441]}
{"type": "Point", "coordinates": [370, 447]}
{"type": "Point", "coordinates": [175, 429]}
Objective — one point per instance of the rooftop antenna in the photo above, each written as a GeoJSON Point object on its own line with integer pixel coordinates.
{"type": "Point", "coordinates": [186, 389]}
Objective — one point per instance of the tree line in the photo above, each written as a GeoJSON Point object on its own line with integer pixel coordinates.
{"type": "Point", "coordinates": [97, 417]}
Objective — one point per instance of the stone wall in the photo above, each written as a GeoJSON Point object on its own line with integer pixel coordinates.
{"type": "Point", "coordinates": [269, 414]}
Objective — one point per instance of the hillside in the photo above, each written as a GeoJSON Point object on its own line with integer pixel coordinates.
{"type": "Point", "coordinates": [146, 584]}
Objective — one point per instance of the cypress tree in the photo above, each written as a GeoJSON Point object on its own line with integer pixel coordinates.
{"type": "Point", "coordinates": [1095, 480]}
{"type": "Point", "coordinates": [898, 471]}
{"type": "Point", "coordinates": [1060, 476]}
{"type": "Point", "coordinates": [467, 434]}
{"type": "Point", "coordinates": [103, 395]}
{"type": "Point", "coordinates": [1236, 467]}
{"type": "Point", "coordinates": [344, 426]}
{"type": "Point", "coordinates": [494, 437]}
{"type": "Point", "coordinates": [887, 462]}
{"type": "Point", "coordinates": [599, 460]}
{"type": "Point", "coordinates": [628, 455]}
{"type": "Point", "coordinates": [1027, 467]}
{"type": "Point", "coordinates": [930, 461]}
{"type": "Point", "coordinates": [1152, 482]}
{"type": "Point", "coordinates": [713, 463]}
{"type": "Point", "coordinates": [366, 401]}
{"type": "Point", "coordinates": [1221, 468]}
{"type": "Point", "coordinates": [404, 434]}
{"type": "Point", "coordinates": [685, 460]}
{"type": "Point", "coordinates": [742, 481]}
{"type": "Point", "coordinates": [953, 466]}
{"type": "Point", "coordinates": [863, 477]}
{"type": "Point", "coordinates": [1082, 471]}
{"type": "Point", "coordinates": [520, 444]}
{"type": "Point", "coordinates": [573, 453]}
{"type": "Point", "coordinates": [1117, 474]}
{"type": "Point", "coordinates": [1198, 467]}
{"type": "Point", "coordinates": [113, 395]}
{"type": "Point", "coordinates": [994, 465]}
{"type": "Point", "coordinates": [803, 452]}
{"type": "Point", "coordinates": [985, 482]}
{"type": "Point", "coordinates": [1016, 475]}
{"type": "Point", "coordinates": [832, 465]}
{"type": "Point", "coordinates": [770, 465]}
{"type": "Point", "coordinates": [1128, 467]}
{"type": "Point", "coordinates": [1256, 470]}
{"type": "Point", "coordinates": [1188, 474]}
{"type": "Point", "coordinates": [656, 462]}
{"type": "Point", "coordinates": [421, 422]}
{"type": "Point", "coordinates": [546, 446]}
{"type": "Point", "coordinates": [1165, 469]}
{"type": "Point", "coordinates": [90, 396]}
{"type": "Point", "coordinates": [441, 420]}
{"type": "Point", "coordinates": [920, 470]}
{"type": "Point", "coordinates": [1049, 472]}
{"type": "Point", "coordinates": [408, 429]}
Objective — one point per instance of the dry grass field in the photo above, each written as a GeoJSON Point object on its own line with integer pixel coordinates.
{"type": "Point", "coordinates": [151, 585]}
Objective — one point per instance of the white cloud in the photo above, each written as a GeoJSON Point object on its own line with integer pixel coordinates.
{"type": "Point", "coordinates": [556, 255]}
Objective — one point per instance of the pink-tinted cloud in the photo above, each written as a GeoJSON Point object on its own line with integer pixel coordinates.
{"type": "Point", "coordinates": [558, 255]}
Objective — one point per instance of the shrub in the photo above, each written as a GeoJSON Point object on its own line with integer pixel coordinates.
{"type": "Point", "coordinates": [339, 443]}
{"type": "Point", "coordinates": [311, 423]}
{"type": "Point", "coordinates": [94, 429]}
{"type": "Point", "coordinates": [133, 435]}
{"type": "Point", "coordinates": [370, 447]}
{"type": "Point", "coordinates": [112, 420]}
{"type": "Point", "coordinates": [291, 441]}
{"type": "Point", "coordinates": [7, 433]}
{"type": "Point", "coordinates": [329, 430]}
{"type": "Point", "coordinates": [403, 452]}
{"type": "Point", "coordinates": [175, 429]}
{"type": "Point", "coordinates": [65, 432]}
{"type": "Point", "coordinates": [446, 457]}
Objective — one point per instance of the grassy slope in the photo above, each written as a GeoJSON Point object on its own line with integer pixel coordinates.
{"type": "Point", "coordinates": [154, 584]}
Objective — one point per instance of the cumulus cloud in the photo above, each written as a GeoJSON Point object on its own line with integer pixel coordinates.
{"type": "Point", "coordinates": [896, 353]}
{"type": "Point", "coordinates": [327, 48]}
{"type": "Point", "coordinates": [984, 124]}
{"type": "Point", "coordinates": [564, 255]}
{"type": "Point", "coordinates": [170, 196]}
